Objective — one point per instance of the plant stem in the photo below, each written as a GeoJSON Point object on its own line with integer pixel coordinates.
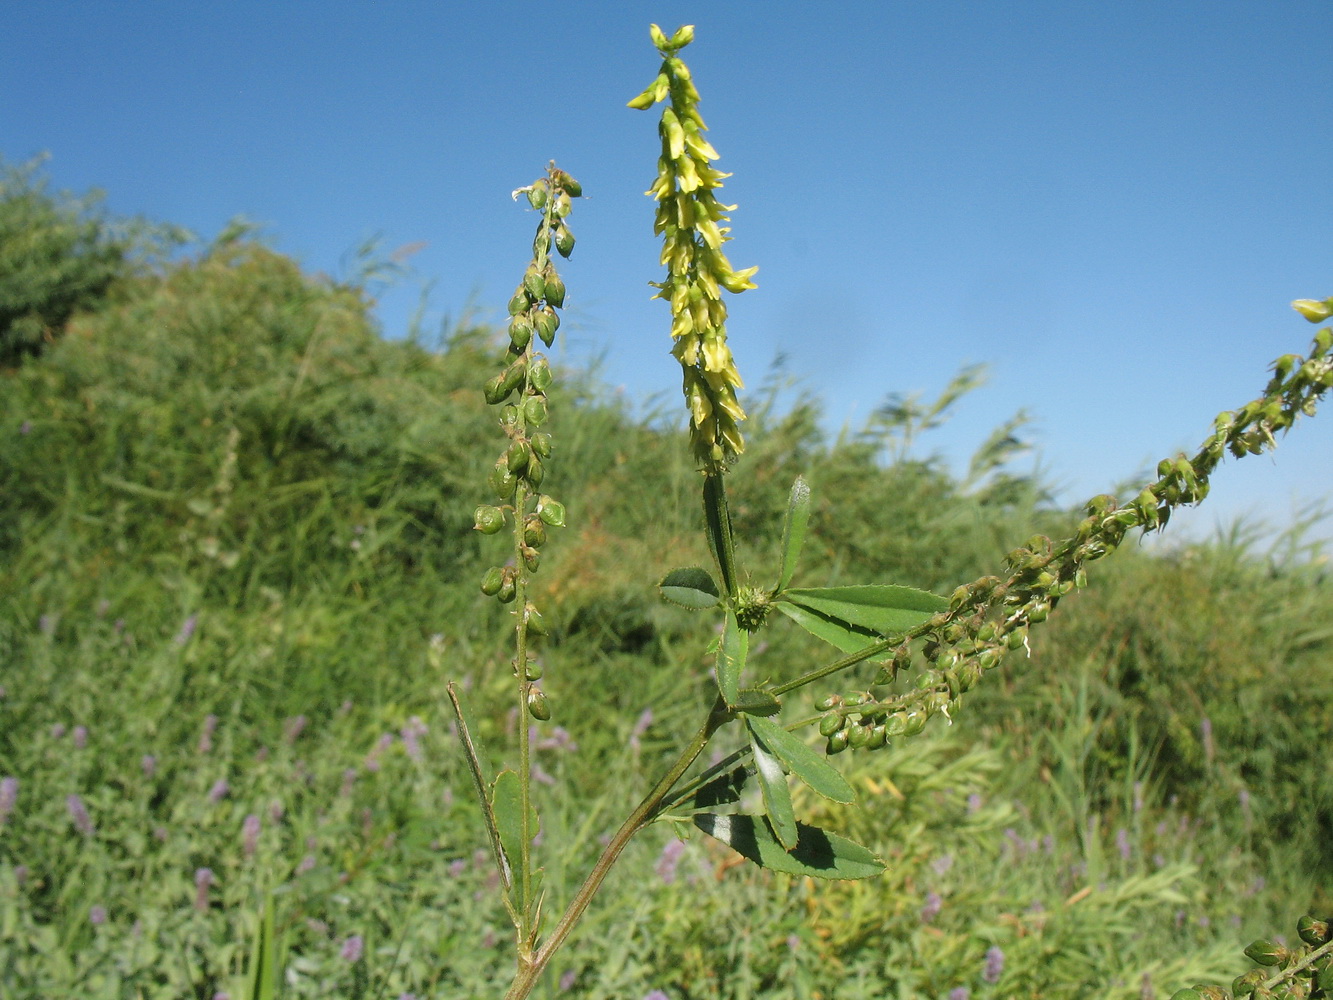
{"type": "Point", "coordinates": [642, 815]}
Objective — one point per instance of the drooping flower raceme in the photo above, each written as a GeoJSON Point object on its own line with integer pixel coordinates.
{"type": "Point", "coordinates": [690, 218]}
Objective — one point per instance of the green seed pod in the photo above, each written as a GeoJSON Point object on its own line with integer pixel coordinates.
{"type": "Point", "coordinates": [878, 737]}
{"type": "Point", "coordinates": [502, 480]}
{"type": "Point", "coordinates": [567, 184]}
{"type": "Point", "coordinates": [896, 724]}
{"type": "Point", "coordinates": [858, 737]}
{"type": "Point", "coordinates": [509, 415]}
{"type": "Point", "coordinates": [1264, 952]}
{"type": "Point", "coordinates": [832, 701]}
{"type": "Point", "coordinates": [531, 558]}
{"type": "Point", "coordinates": [837, 743]}
{"type": "Point", "coordinates": [563, 205]}
{"type": "Point", "coordinates": [492, 581]}
{"type": "Point", "coordinates": [534, 532]}
{"type": "Point", "coordinates": [564, 240]}
{"type": "Point", "coordinates": [520, 333]}
{"type": "Point", "coordinates": [520, 302]}
{"type": "Point", "coordinates": [547, 322]}
{"type": "Point", "coordinates": [829, 725]}
{"type": "Point", "coordinates": [884, 675]}
{"type": "Point", "coordinates": [494, 390]}
{"type": "Point", "coordinates": [537, 193]}
{"type": "Point", "coordinates": [488, 520]}
{"type": "Point", "coordinates": [1016, 638]}
{"type": "Point", "coordinates": [535, 670]}
{"type": "Point", "coordinates": [508, 588]}
{"type": "Point", "coordinates": [539, 374]}
{"type": "Point", "coordinates": [533, 283]}
{"type": "Point", "coordinates": [535, 472]}
{"type": "Point", "coordinates": [555, 288]}
{"type": "Point", "coordinates": [551, 511]}
{"type": "Point", "coordinates": [855, 698]}
{"type": "Point", "coordinates": [1039, 612]}
{"type": "Point", "coordinates": [541, 444]}
{"type": "Point", "coordinates": [1243, 986]}
{"type": "Point", "coordinates": [536, 623]}
{"type": "Point", "coordinates": [538, 706]}
{"type": "Point", "coordinates": [517, 457]}
{"type": "Point", "coordinates": [534, 410]}
{"type": "Point", "coordinates": [1186, 995]}
{"type": "Point", "coordinates": [1312, 931]}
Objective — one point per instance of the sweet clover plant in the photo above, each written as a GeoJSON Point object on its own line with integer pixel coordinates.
{"type": "Point", "coordinates": [901, 657]}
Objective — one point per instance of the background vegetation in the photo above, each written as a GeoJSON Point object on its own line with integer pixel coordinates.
{"type": "Point", "coordinates": [237, 567]}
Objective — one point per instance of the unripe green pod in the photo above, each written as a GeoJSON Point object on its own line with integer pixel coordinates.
{"type": "Point", "coordinates": [519, 302]}
{"type": "Point", "coordinates": [508, 588]}
{"type": "Point", "coordinates": [536, 623]}
{"type": "Point", "coordinates": [503, 481]}
{"type": "Point", "coordinates": [492, 581]}
{"type": "Point", "coordinates": [531, 558]}
{"type": "Point", "coordinates": [488, 520]}
{"type": "Point", "coordinates": [533, 283]}
{"type": "Point", "coordinates": [878, 737]}
{"type": "Point", "coordinates": [832, 701]}
{"type": "Point", "coordinates": [537, 194]}
{"type": "Point", "coordinates": [563, 205]}
{"type": "Point", "coordinates": [567, 184]}
{"type": "Point", "coordinates": [855, 698]}
{"type": "Point", "coordinates": [1186, 995]}
{"type": "Point", "coordinates": [1017, 637]}
{"type": "Point", "coordinates": [552, 512]}
{"type": "Point", "coordinates": [547, 322]}
{"type": "Point", "coordinates": [829, 725]}
{"type": "Point", "coordinates": [1039, 612]}
{"type": "Point", "coordinates": [1243, 986]}
{"type": "Point", "coordinates": [555, 288]}
{"type": "Point", "coordinates": [518, 456]}
{"type": "Point", "coordinates": [896, 724]}
{"type": "Point", "coordinates": [837, 743]}
{"type": "Point", "coordinates": [509, 415]}
{"type": "Point", "coordinates": [539, 374]}
{"type": "Point", "coordinates": [1312, 931]}
{"type": "Point", "coordinates": [564, 240]}
{"type": "Point", "coordinates": [520, 334]}
{"type": "Point", "coordinates": [1265, 952]}
{"type": "Point", "coordinates": [534, 410]}
{"type": "Point", "coordinates": [494, 390]}
{"type": "Point", "coordinates": [535, 472]}
{"type": "Point", "coordinates": [858, 737]}
{"type": "Point", "coordinates": [534, 670]}
{"type": "Point", "coordinates": [541, 444]}
{"type": "Point", "coordinates": [538, 706]}
{"type": "Point", "coordinates": [884, 675]}
{"type": "Point", "coordinates": [534, 532]}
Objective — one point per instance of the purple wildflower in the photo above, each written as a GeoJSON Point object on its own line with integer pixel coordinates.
{"type": "Point", "coordinates": [1122, 844]}
{"type": "Point", "coordinates": [1244, 797]}
{"type": "Point", "coordinates": [206, 737]}
{"type": "Point", "coordinates": [640, 727]}
{"type": "Point", "coordinates": [1206, 734]}
{"type": "Point", "coordinates": [941, 865]}
{"type": "Point", "coordinates": [656, 995]}
{"type": "Point", "coordinates": [349, 779]}
{"type": "Point", "coordinates": [457, 867]}
{"type": "Point", "coordinates": [58, 731]}
{"type": "Point", "coordinates": [250, 834]}
{"type": "Point", "coordinates": [221, 995]}
{"type": "Point", "coordinates": [668, 861]}
{"type": "Point", "coordinates": [276, 810]}
{"type": "Point", "coordinates": [994, 964]}
{"type": "Point", "coordinates": [20, 874]}
{"type": "Point", "coordinates": [203, 878]}
{"type": "Point", "coordinates": [540, 775]}
{"type": "Point", "coordinates": [1138, 796]}
{"type": "Point", "coordinates": [293, 728]}
{"type": "Point", "coordinates": [973, 802]}
{"type": "Point", "coordinates": [412, 733]}
{"type": "Point", "coordinates": [352, 948]}
{"type": "Point", "coordinates": [960, 993]}
{"type": "Point", "coordinates": [97, 915]}
{"type": "Point", "coordinates": [78, 815]}
{"type": "Point", "coordinates": [80, 737]}
{"type": "Point", "coordinates": [373, 758]}
{"type": "Point", "coordinates": [1146, 991]}
{"type": "Point", "coordinates": [103, 606]}
{"type": "Point", "coordinates": [931, 909]}
{"type": "Point", "coordinates": [307, 864]}
{"type": "Point", "coordinates": [47, 624]}
{"type": "Point", "coordinates": [219, 791]}
{"type": "Point", "coordinates": [149, 765]}
{"type": "Point", "coordinates": [9, 794]}
{"type": "Point", "coordinates": [187, 630]}
{"type": "Point", "coordinates": [567, 979]}
{"type": "Point", "coordinates": [25, 427]}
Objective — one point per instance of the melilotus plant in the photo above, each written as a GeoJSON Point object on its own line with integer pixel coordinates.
{"type": "Point", "coordinates": [904, 656]}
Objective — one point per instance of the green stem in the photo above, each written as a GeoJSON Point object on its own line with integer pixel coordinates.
{"type": "Point", "coordinates": [528, 972]}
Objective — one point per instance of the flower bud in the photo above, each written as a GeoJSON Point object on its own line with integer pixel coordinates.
{"type": "Point", "coordinates": [658, 36]}
{"type": "Point", "coordinates": [567, 184]}
{"type": "Point", "coordinates": [1314, 311]}
{"type": "Point", "coordinates": [1312, 931]}
{"type": "Point", "coordinates": [488, 519]}
{"type": "Point", "coordinates": [538, 706]}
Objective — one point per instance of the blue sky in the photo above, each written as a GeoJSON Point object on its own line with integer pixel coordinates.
{"type": "Point", "coordinates": [1111, 205]}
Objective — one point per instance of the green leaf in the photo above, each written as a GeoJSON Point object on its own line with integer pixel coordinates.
{"type": "Point", "coordinates": [846, 637]}
{"type": "Point", "coordinates": [756, 701]}
{"type": "Point", "coordinates": [691, 587]}
{"type": "Point", "coordinates": [793, 531]}
{"type": "Point", "coordinates": [882, 609]}
{"type": "Point", "coordinates": [717, 521]}
{"type": "Point", "coordinates": [722, 790]}
{"type": "Point", "coordinates": [777, 796]}
{"type": "Point", "coordinates": [817, 854]}
{"type": "Point", "coordinates": [802, 760]}
{"type": "Point", "coordinates": [506, 806]}
{"type": "Point", "coordinates": [731, 658]}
